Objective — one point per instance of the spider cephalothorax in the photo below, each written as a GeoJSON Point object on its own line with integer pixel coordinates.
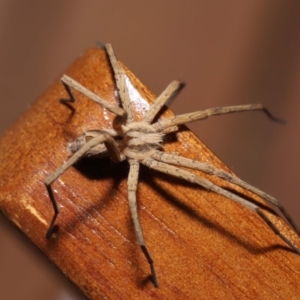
{"type": "Point", "coordinates": [141, 142]}
{"type": "Point", "coordinates": [136, 140]}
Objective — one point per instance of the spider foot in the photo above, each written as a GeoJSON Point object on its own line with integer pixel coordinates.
{"type": "Point", "coordinates": [51, 228]}
{"type": "Point", "coordinates": [151, 263]}
{"type": "Point", "coordinates": [296, 249]}
{"type": "Point", "coordinates": [153, 276]}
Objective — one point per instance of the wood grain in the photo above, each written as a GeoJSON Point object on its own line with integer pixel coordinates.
{"type": "Point", "coordinates": [204, 246]}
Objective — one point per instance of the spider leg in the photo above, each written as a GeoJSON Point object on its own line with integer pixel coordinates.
{"type": "Point", "coordinates": [113, 151]}
{"type": "Point", "coordinates": [120, 79]}
{"type": "Point", "coordinates": [170, 129]}
{"type": "Point", "coordinates": [99, 150]}
{"type": "Point", "coordinates": [180, 173]}
{"type": "Point", "coordinates": [132, 188]}
{"type": "Point", "coordinates": [210, 169]}
{"type": "Point", "coordinates": [69, 83]}
{"type": "Point", "coordinates": [203, 114]}
{"type": "Point", "coordinates": [170, 91]}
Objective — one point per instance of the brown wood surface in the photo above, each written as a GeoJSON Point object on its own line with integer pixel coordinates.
{"type": "Point", "coordinates": [204, 246]}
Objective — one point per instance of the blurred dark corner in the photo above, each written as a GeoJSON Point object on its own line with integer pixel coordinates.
{"type": "Point", "coordinates": [228, 52]}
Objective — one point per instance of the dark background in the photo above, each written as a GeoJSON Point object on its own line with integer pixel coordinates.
{"type": "Point", "coordinates": [228, 52]}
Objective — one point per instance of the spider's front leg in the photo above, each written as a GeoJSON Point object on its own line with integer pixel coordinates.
{"type": "Point", "coordinates": [170, 92]}
{"type": "Point", "coordinates": [132, 188]}
{"type": "Point", "coordinates": [120, 80]}
{"type": "Point", "coordinates": [204, 114]}
{"type": "Point", "coordinates": [69, 83]}
{"type": "Point", "coordinates": [113, 151]}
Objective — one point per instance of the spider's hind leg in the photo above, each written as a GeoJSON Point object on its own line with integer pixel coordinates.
{"type": "Point", "coordinates": [132, 188]}
{"type": "Point", "coordinates": [177, 160]}
{"type": "Point", "coordinates": [155, 163]}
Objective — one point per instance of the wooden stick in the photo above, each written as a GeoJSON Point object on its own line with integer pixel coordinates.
{"type": "Point", "coordinates": [204, 245]}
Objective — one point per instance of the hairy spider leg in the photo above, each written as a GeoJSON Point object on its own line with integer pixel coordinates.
{"type": "Point", "coordinates": [132, 188]}
{"type": "Point", "coordinates": [169, 92]}
{"type": "Point", "coordinates": [204, 114]}
{"type": "Point", "coordinates": [177, 160]}
{"type": "Point", "coordinates": [210, 186]}
{"type": "Point", "coordinates": [120, 79]}
{"type": "Point", "coordinates": [69, 83]}
{"type": "Point", "coordinates": [102, 138]}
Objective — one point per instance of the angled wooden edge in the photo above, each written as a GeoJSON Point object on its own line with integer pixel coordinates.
{"type": "Point", "coordinates": [204, 246]}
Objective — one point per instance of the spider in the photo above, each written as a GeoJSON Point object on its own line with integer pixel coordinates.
{"type": "Point", "coordinates": [141, 142]}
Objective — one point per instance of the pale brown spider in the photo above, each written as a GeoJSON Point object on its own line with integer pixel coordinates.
{"type": "Point", "coordinates": [142, 142]}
